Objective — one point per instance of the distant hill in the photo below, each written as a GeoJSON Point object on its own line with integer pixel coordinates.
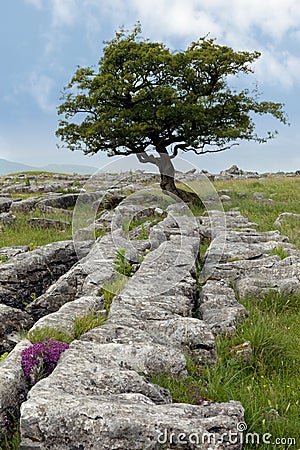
{"type": "Point", "coordinates": [7, 167]}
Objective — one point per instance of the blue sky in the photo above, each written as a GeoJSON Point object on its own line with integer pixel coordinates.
{"type": "Point", "coordinates": [42, 42]}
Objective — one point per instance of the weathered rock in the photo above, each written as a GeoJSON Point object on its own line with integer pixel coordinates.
{"type": "Point", "coordinates": [41, 222]}
{"type": "Point", "coordinates": [63, 319]}
{"type": "Point", "coordinates": [12, 320]}
{"type": "Point", "coordinates": [63, 201]}
{"type": "Point", "coordinates": [10, 252]}
{"type": "Point", "coordinates": [67, 288]}
{"type": "Point", "coordinates": [28, 275]}
{"type": "Point", "coordinates": [85, 278]}
{"type": "Point", "coordinates": [146, 333]}
{"type": "Point", "coordinates": [24, 206]}
{"type": "Point", "coordinates": [219, 308]}
{"type": "Point", "coordinates": [127, 420]}
{"type": "Point", "coordinates": [259, 195]}
{"type": "Point", "coordinates": [13, 388]}
{"type": "Point", "coordinates": [225, 198]}
{"type": "Point", "coordinates": [5, 204]}
{"type": "Point", "coordinates": [280, 275]}
{"type": "Point", "coordinates": [7, 219]}
{"type": "Point", "coordinates": [283, 217]}
{"type": "Point", "coordinates": [243, 351]}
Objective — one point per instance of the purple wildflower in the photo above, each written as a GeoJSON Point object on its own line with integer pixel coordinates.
{"type": "Point", "coordinates": [40, 359]}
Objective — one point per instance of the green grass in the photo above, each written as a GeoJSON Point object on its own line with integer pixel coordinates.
{"type": "Point", "coordinates": [22, 234]}
{"type": "Point", "coordinates": [13, 441]}
{"type": "Point", "coordinates": [285, 191]}
{"type": "Point", "coordinates": [81, 324]}
{"type": "Point", "coordinates": [279, 251]}
{"type": "Point", "coordinates": [112, 288]}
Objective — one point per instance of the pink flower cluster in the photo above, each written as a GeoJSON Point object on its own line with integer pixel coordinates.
{"type": "Point", "coordinates": [40, 359]}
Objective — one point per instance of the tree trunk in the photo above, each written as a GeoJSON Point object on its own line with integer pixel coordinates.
{"type": "Point", "coordinates": [167, 180]}
{"type": "Point", "coordinates": [167, 175]}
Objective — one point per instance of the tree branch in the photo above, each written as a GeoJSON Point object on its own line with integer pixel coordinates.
{"type": "Point", "coordinates": [145, 158]}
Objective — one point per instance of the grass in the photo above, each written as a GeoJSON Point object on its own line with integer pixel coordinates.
{"type": "Point", "coordinates": [14, 440]}
{"type": "Point", "coordinates": [22, 234]}
{"type": "Point", "coordinates": [279, 251]}
{"type": "Point", "coordinates": [81, 324]}
{"type": "Point", "coordinates": [112, 288]}
{"type": "Point", "coordinates": [285, 191]}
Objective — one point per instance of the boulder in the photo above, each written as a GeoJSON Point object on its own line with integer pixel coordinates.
{"type": "Point", "coordinates": [24, 206]}
{"type": "Point", "coordinates": [43, 223]}
{"type": "Point", "coordinates": [284, 217]}
{"type": "Point", "coordinates": [5, 204]}
{"type": "Point", "coordinates": [29, 274]}
{"type": "Point", "coordinates": [13, 388]}
{"type": "Point", "coordinates": [12, 320]}
{"type": "Point", "coordinates": [7, 219]}
{"type": "Point", "coordinates": [10, 252]}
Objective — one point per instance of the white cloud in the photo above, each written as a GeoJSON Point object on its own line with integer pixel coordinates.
{"type": "Point", "coordinates": [64, 12]}
{"type": "Point", "coordinates": [40, 87]}
{"type": "Point", "coordinates": [37, 3]}
{"type": "Point", "coordinates": [266, 25]}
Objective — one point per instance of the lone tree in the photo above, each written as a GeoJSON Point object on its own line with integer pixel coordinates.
{"type": "Point", "coordinates": [146, 100]}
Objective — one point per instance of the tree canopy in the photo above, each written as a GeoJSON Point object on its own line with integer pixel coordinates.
{"type": "Point", "coordinates": [143, 96]}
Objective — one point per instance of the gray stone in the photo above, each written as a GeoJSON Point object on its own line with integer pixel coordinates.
{"type": "Point", "coordinates": [43, 223]}
{"type": "Point", "coordinates": [243, 351]}
{"type": "Point", "coordinates": [13, 387]}
{"type": "Point", "coordinates": [29, 274]}
{"type": "Point", "coordinates": [12, 320]}
{"type": "Point", "coordinates": [283, 217]}
{"type": "Point", "coordinates": [225, 198]}
{"type": "Point", "coordinates": [124, 421]}
{"type": "Point", "coordinates": [10, 252]}
{"type": "Point", "coordinates": [24, 206]}
{"type": "Point", "coordinates": [219, 308]}
{"type": "Point", "coordinates": [5, 204]}
{"type": "Point", "coordinates": [7, 219]}
{"type": "Point", "coordinates": [258, 195]}
{"type": "Point", "coordinates": [63, 319]}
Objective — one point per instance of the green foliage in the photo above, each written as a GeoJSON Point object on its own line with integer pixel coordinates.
{"type": "Point", "coordinates": [40, 334]}
{"type": "Point", "coordinates": [3, 356]}
{"type": "Point", "coordinates": [22, 234]}
{"type": "Point", "coordinates": [279, 251]}
{"type": "Point", "coordinates": [3, 259]}
{"type": "Point", "coordinates": [143, 95]}
{"type": "Point", "coordinates": [89, 320]}
{"type": "Point", "coordinates": [81, 324]}
{"type": "Point", "coordinates": [121, 264]}
{"type": "Point", "coordinates": [13, 440]}
{"type": "Point", "coordinates": [112, 288]}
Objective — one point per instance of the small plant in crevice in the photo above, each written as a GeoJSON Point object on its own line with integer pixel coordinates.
{"type": "Point", "coordinates": [3, 259]}
{"type": "Point", "coordinates": [39, 360]}
{"type": "Point", "coordinates": [279, 251]}
{"type": "Point", "coordinates": [12, 437]}
{"type": "Point", "coordinates": [3, 356]}
{"type": "Point", "coordinates": [112, 288]}
{"type": "Point", "coordinates": [82, 324]}
{"type": "Point", "coordinates": [122, 265]}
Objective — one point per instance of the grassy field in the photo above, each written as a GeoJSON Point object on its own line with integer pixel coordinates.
{"type": "Point", "coordinates": [284, 193]}
{"type": "Point", "coordinates": [23, 234]}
